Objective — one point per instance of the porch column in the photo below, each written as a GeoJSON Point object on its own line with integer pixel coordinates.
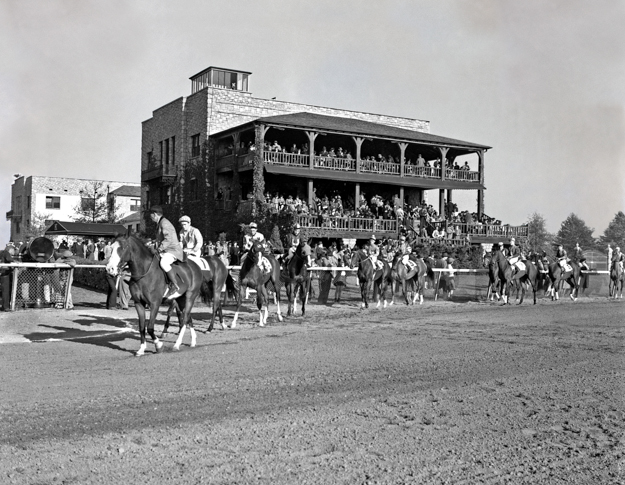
{"type": "Point", "coordinates": [443, 151]}
{"type": "Point", "coordinates": [311, 192]}
{"type": "Point", "coordinates": [441, 202]}
{"type": "Point", "coordinates": [357, 197]}
{"type": "Point", "coordinates": [401, 196]}
{"type": "Point", "coordinates": [480, 192]}
{"type": "Point", "coordinates": [402, 158]}
{"type": "Point", "coordinates": [358, 140]}
{"type": "Point", "coordinates": [312, 136]}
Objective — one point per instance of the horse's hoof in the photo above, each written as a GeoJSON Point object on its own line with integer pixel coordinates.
{"type": "Point", "coordinates": [175, 348]}
{"type": "Point", "coordinates": [139, 353]}
{"type": "Point", "coordinates": [572, 298]}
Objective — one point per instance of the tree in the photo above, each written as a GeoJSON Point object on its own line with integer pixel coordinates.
{"type": "Point", "coordinates": [38, 225]}
{"type": "Point", "coordinates": [94, 206]}
{"type": "Point", "coordinates": [615, 232]}
{"type": "Point", "coordinates": [574, 230]}
{"type": "Point", "coordinates": [538, 236]}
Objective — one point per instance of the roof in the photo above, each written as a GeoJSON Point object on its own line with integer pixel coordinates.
{"type": "Point", "coordinates": [84, 229]}
{"type": "Point", "coordinates": [359, 127]}
{"type": "Point", "coordinates": [127, 191]}
{"type": "Point", "coordinates": [133, 217]}
{"type": "Point", "coordinates": [210, 68]}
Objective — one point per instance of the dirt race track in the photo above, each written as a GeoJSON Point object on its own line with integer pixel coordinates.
{"type": "Point", "coordinates": [443, 393]}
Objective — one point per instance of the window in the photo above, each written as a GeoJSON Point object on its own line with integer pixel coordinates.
{"type": "Point", "coordinates": [53, 202]}
{"type": "Point", "coordinates": [160, 144]}
{"type": "Point", "coordinates": [195, 145]}
{"type": "Point", "coordinates": [167, 151]}
{"type": "Point", "coordinates": [18, 204]}
{"type": "Point", "coordinates": [150, 158]}
{"type": "Point", "coordinates": [28, 201]}
{"type": "Point", "coordinates": [173, 149]}
{"type": "Point", "coordinates": [165, 195]}
{"type": "Point", "coordinates": [135, 204]}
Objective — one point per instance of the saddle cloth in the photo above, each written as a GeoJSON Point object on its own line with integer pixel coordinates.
{"type": "Point", "coordinates": [410, 265]}
{"type": "Point", "coordinates": [521, 266]}
{"type": "Point", "coordinates": [566, 267]}
{"type": "Point", "coordinates": [265, 265]}
{"type": "Point", "coordinates": [201, 262]}
{"type": "Point", "coordinates": [379, 265]}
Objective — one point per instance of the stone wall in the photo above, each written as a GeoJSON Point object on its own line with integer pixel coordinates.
{"type": "Point", "coordinates": [229, 108]}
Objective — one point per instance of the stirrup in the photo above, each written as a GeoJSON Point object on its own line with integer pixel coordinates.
{"type": "Point", "coordinates": [172, 292]}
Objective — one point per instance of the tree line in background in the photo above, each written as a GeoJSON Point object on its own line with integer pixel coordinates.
{"type": "Point", "coordinates": [574, 230]}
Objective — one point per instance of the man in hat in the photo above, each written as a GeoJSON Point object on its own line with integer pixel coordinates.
{"type": "Point", "coordinates": [191, 238]}
{"type": "Point", "coordinates": [292, 241]}
{"type": "Point", "coordinates": [618, 257]}
{"type": "Point", "coordinates": [250, 239]}
{"type": "Point", "coordinates": [373, 250]}
{"type": "Point", "coordinates": [515, 256]}
{"type": "Point", "coordinates": [562, 257]}
{"type": "Point", "coordinates": [168, 247]}
{"type": "Point", "coordinates": [6, 256]}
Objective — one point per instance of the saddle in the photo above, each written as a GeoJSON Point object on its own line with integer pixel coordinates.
{"type": "Point", "coordinates": [201, 262]}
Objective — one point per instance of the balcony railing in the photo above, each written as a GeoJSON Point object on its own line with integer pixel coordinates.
{"type": "Point", "coordinates": [348, 224]}
{"type": "Point", "coordinates": [290, 159]}
{"type": "Point", "coordinates": [333, 163]}
{"type": "Point", "coordinates": [158, 172]}
{"type": "Point", "coordinates": [465, 175]}
{"type": "Point", "coordinates": [422, 172]}
{"type": "Point", "coordinates": [387, 168]}
{"type": "Point", "coordinates": [223, 163]}
{"type": "Point", "coordinates": [224, 205]}
{"type": "Point", "coordinates": [484, 230]}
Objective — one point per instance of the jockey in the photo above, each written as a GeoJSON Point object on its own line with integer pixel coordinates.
{"type": "Point", "coordinates": [372, 250]}
{"type": "Point", "coordinates": [168, 247]}
{"type": "Point", "coordinates": [190, 238]}
{"type": "Point", "coordinates": [514, 256]}
{"type": "Point", "coordinates": [618, 257]}
{"type": "Point", "coordinates": [306, 250]}
{"type": "Point", "coordinates": [562, 257]}
{"type": "Point", "coordinates": [250, 239]}
{"type": "Point", "coordinates": [292, 241]}
{"type": "Point", "coordinates": [405, 249]}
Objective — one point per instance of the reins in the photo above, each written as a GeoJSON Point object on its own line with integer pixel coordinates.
{"type": "Point", "coordinates": [137, 278]}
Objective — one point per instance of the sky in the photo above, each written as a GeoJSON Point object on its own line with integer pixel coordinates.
{"type": "Point", "coordinates": [542, 82]}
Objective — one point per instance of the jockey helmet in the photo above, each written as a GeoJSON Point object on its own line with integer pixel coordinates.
{"type": "Point", "coordinates": [185, 219]}
{"type": "Point", "coordinates": [402, 238]}
{"type": "Point", "coordinates": [297, 226]}
{"type": "Point", "coordinates": [372, 238]}
{"type": "Point", "coordinates": [512, 239]}
{"type": "Point", "coordinates": [253, 225]}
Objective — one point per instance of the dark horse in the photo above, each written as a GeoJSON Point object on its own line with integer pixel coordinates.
{"type": "Point", "coordinates": [368, 275]}
{"type": "Point", "coordinates": [251, 276]}
{"type": "Point", "coordinates": [500, 269]}
{"type": "Point", "coordinates": [494, 285]}
{"type": "Point", "coordinates": [528, 277]}
{"type": "Point", "coordinates": [617, 278]}
{"type": "Point", "coordinates": [148, 284]}
{"type": "Point", "coordinates": [213, 283]}
{"type": "Point", "coordinates": [297, 278]}
{"type": "Point", "coordinates": [411, 281]}
{"type": "Point", "coordinates": [558, 277]}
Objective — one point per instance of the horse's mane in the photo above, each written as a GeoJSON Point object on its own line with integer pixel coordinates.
{"type": "Point", "coordinates": [140, 244]}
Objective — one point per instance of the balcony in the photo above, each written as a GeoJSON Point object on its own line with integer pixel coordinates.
{"type": "Point", "coordinates": [346, 227]}
{"type": "Point", "coordinates": [162, 173]}
{"type": "Point", "coordinates": [367, 167]}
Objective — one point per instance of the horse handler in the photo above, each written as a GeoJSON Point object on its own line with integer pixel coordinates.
{"type": "Point", "coordinates": [168, 247]}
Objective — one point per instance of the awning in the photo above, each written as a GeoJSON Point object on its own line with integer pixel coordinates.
{"type": "Point", "coordinates": [63, 228]}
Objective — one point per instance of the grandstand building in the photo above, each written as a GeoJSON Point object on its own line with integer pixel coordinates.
{"type": "Point", "coordinates": [212, 154]}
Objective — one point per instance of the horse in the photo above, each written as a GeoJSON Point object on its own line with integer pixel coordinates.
{"type": "Point", "coordinates": [558, 277]}
{"type": "Point", "coordinates": [493, 277]}
{"type": "Point", "coordinates": [368, 275]}
{"type": "Point", "coordinates": [413, 281]}
{"type": "Point", "coordinates": [213, 281]}
{"type": "Point", "coordinates": [251, 276]}
{"type": "Point", "coordinates": [500, 264]}
{"type": "Point", "coordinates": [617, 280]}
{"type": "Point", "coordinates": [148, 284]}
{"type": "Point", "coordinates": [297, 278]}
{"type": "Point", "coordinates": [528, 277]}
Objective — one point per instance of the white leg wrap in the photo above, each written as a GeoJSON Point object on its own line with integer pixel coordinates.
{"type": "Point", "coordinates": [141, 350]}
{"type": "Point", "coordinates": [193, 337]}
{"type": "Point", "coordinates": [179, 339]}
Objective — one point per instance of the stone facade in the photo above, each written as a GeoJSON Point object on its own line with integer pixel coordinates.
{"type": "Point", "coordinates": [29, 194]}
